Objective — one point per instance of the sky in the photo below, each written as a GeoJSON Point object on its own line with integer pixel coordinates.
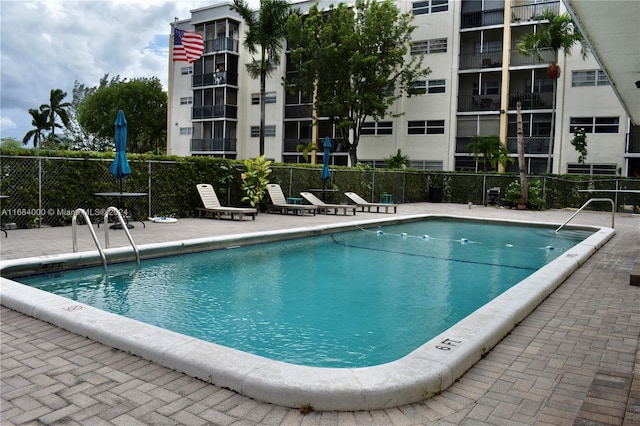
{"type": "Point", "coordinates": [51, 44]}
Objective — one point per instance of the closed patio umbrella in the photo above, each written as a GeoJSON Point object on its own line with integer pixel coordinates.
{"type": "Point", "coordinates": [120, 166]}
{"type": "Point", "coordinates": [326, 173]}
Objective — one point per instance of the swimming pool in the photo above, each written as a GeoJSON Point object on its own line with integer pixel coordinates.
{"type": "Point", "coordinates": [352, 299]}
{"type": "Point", "coordinates": [425, 371]}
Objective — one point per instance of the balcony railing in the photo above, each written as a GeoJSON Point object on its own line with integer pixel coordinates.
{"type": "Point", "coordinates": [298, 111]}
{"type": "Point", "coordinates": [480, 60]}
{"type": "Point", "coordinates": [215, 144]}
{"type": "Point", "coordinates": [220, 44]}
{"type": "Point", "coordinates": [529, 101]}
{"type": "Point", "coordinates": [290, 145]}
{"type": "Point", "coordinates": [633, 143]}
{"type": "Point", "coordinates": [532, 145]}
{"type": "Point", "coordinates": [518, 59]}
{"type": "Point", "coordinates": [482, 18]}
{"type": "Point", "coordinates": [214, 111]}
{"type": "Point", "coordinates": [532, 12]}
{"type": "Point", "coordinates": [210, 79]}
{"type": "Point", "coordinates": [479, 103]}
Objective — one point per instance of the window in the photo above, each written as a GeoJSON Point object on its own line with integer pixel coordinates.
{"type": "Point", "coordinates": [489, 87]}
{"type": "Point", "coordinates": [186, 101]}
{"type": "Point", "coordinates": [592, 169]}
{"type": "Point", "coordinates": [589, 78]}
{"type": "Point", "coordinates": [185, 130]}
{"type": "Point", "coordinates": [489, 46]}
{"type": "Point", "coordinates": [426, 47]}
{"type": "Point", "coordinates": [421, 87]}
{"type": "Point", "coordinates": [427, 165]}
{"type": "Point", "coordinates": [269, 98]}
{"type": "Point", "coordinates": [430, 6]}
{"type": "Point", "coordinates": [417, 88]}
{"type": "Point", "coordinates": [594, 124]}
{"type": "Point", "coordinates": [429, 127]}
{"type": "Point", "coordinates": [377, 128]}
{"type": "Point", "coordinates": [269, 131]}
{"type": "Point", "coordinates": [186, 70]}
{"type": "Point", "coordinates": [436, 86]}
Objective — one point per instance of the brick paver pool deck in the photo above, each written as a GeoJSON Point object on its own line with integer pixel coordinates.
{"type": "Point", "coordinates": [574, 360]}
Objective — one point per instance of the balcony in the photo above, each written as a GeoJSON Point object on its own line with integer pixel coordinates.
{"type": "Point", "coordinates": [214, 111]}
{"type": "Point", "coordinates": [298, 111]}
{"type": "Point", "coordinates": [531, 12]}
{"type": "Point", "coordinates": [221, 44]}
{"type": "Point", "coordinates": [213, 145]}
{"type": "Point", "coordinates": [517, 59]}
{"type": "Point", "coordinates": [290, 145]}
{"type": "Point", "coordinates": [633, 143]}
{"type": "Point", "coordinates": [212, 79]}
{"type": "Point", "coordinates": [531, 101]}
{"type": "Point", "coordinates": [480, 60]}
{"type": "Point", "coordinates": [482, 18]}
{"type": "Point", "coordinates": [532, 145]}
{"type": "Point", "coordinates": [479, 103]}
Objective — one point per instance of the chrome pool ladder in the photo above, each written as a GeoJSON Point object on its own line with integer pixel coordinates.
{"type": "Point", "coordinates": [613, 211]}
{"type": "Point", "coordinates": [123, 223]}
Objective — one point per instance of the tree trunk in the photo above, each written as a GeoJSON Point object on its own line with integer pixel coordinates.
{"type": "Point", "coordinates": [524, 190]}
{"type": "Point", "coordinates": [553, 119]}
{"type": "Point", "coordinates": [263, 89]}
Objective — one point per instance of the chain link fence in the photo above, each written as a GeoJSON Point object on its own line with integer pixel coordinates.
{"type": "Point", "coordinates": [45, 191]}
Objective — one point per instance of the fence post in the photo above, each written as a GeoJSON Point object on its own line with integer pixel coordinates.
{"type": "Point", "coordinates": [39, 191]}
{"type": "Point", "coordinates": [149, 189]}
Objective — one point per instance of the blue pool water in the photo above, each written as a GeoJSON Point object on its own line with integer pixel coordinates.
{"type": "Point", "coordinates": [350, 299]}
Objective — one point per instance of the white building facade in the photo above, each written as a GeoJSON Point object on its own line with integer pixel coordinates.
{"type": "Point", "coordinates": [477, 75]}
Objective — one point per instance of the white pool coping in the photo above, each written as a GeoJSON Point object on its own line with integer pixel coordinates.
{"type": "Point", "coordinates": [425, 372]}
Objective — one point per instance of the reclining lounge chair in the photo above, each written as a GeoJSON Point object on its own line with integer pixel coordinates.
{"type": "Point", "coordinates": [213, 208]}
{"type": "Point", "coordinates": [279, 202]}
{"type": "Point", "coordinates": [326, 208]}
{"type": "Point", "coordinates": [362, 203]}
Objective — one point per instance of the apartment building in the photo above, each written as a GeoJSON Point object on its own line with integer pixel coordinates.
{"type": "Point", "coordinates": [477, 76]}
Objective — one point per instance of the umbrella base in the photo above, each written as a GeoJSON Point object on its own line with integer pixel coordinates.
{"type": "Point", "coordinates": [119, 226]}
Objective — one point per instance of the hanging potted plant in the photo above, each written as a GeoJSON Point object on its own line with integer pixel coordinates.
{"type": "Point", "coordinates": [255, 180]}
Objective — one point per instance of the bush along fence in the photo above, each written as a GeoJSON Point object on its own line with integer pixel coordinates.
{"type": "Point", "coordinates": [45, 190]}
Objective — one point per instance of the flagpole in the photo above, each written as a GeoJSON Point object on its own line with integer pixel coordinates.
{"type": "Point", "coordinates": [170, 83]}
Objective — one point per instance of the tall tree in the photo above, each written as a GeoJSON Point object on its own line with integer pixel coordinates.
{"type": "Point", "coordinates": [560, 33]}
{"type": "Point", "coordinates": [265, 37]}
{"type": "Point", "coordinates": [78, 137]}
{"type": "Point", "coordinates": [144, 104]}
{"type": "Point", "coordinates": [40, 123]}
{"type": "Point", "coordinates": [355, 58]}
{"type": "Point", "coordinates": [54, 109]}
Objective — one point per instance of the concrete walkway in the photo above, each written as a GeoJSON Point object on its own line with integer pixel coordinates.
{"type": "Point", "coordinates": [572, 361]}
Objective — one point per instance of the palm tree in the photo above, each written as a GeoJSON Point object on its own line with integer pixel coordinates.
{"type": "Point", "coordinates": [265, 36]}
{"type": "Point", "coordinates": [56, 108]}
{"type": "Point", "coordinates": [40, 122]}
{"type": "Point", "coordinates": [490, 150]}
{"type": "Point", "coordinates": [560, 33]}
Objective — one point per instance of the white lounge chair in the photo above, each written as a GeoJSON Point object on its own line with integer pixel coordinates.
{"type": "Point", "coordinates": [362, 203]}
{"type": "Point", "coordinates": [279, 202]}
{"type": "Point", "coordinates": [325, 207]}
{"type": "Point", "coordinates": [213, 208]}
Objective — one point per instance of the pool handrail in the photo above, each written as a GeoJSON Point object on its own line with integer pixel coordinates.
{"type": "Point", "coordinates": [613, 211]}
{"type": "Point", "coordinates": [74, 234]}
{"type": "Point", "coordinates": [123, 224]}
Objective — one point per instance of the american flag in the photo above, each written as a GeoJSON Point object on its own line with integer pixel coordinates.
{"type": "Point", "coordinates": [187, 45]}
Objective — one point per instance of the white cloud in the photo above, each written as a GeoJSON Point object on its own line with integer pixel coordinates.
{"type": "Point", "coordinates": [50, 44]}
